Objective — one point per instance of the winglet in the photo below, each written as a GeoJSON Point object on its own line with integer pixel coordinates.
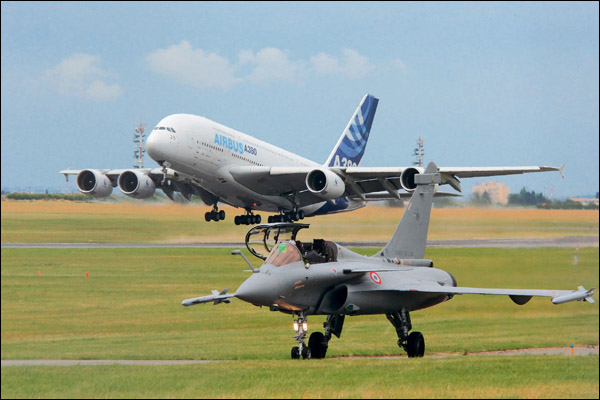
{"type": "Point", "coordinates": [561, 169]}
{"type": "Point", "coordinates": [351, 145]}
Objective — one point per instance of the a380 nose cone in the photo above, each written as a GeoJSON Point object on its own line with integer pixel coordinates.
{"type": "Point", "coordinates": [260, 289]}
{"type": "Point", "coordinates": [155, 146]}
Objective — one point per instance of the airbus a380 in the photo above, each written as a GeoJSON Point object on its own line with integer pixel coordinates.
{"type": "Point", "coordinates": [221, 165]}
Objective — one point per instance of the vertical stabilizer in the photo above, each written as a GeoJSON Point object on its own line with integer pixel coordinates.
{"type": "Point", "coordinates": [351, 146]}
{"type": "Point", "coordinates": [410, 238]}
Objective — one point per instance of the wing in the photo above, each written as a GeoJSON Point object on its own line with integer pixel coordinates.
{"type": "Point", "coordinates": [361, 183]}
{"type": "Point", "coordinates": [519, 296]}
{"type": "Point", "coordinates": [168, 180]}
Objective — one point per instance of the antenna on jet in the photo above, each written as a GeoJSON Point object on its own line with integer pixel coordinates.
{"type": "Point", "coordinates": [419, 153]}
{"type": "Point", "coordinates": [138, 139]}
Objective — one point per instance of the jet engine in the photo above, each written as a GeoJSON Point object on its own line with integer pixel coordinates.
{"type": "Point", "coordinates": [407, 178]}
{"type": "Point", "coordinates": [325, 184]}
{"type": "Point", "coordinates": [94, 183]}
{"type": "Point", "coordinates": [136, 184]}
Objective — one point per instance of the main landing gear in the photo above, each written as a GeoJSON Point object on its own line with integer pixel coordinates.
{"type": "Point", "coordinates": [286, 217]}
{"type": "Point", "coordinates": [318, 342]}
{"type": "Point", "coordinates": [248, 219]}
{"type": "Point", "coordinates": [214, 215]}
{"type": "Point", "coordinates": [413, 344]}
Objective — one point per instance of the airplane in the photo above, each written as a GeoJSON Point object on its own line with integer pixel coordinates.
{"type": "Point", "coordinates": [221, 165]}
{"type": "Point", "coordinates": [325, 278]}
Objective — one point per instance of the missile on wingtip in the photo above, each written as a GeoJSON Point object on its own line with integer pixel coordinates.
{"type": "Point", "coordinates": [580, 294]}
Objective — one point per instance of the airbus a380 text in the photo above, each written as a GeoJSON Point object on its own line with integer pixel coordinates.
{"type": "Point", "coordinates": [201, 157]}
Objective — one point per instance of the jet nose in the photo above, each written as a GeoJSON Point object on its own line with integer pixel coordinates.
{"type": "Point", "coordinates": [260, 289]}
{"type": "Point", "coordinates": [156, 143]}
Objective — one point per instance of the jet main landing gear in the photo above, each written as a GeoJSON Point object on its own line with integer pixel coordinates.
{"type": "Point", "coordinates": [286, 217]}
{"type": "Point", "coordinates": [413, 344]}
{"type": "Point", "coordinates": [214, 215]}
{"type": "Point", "coordinates": [248, 219]}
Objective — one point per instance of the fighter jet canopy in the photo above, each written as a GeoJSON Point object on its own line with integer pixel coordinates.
{"type": "Point", "coordinates": [261, 239]}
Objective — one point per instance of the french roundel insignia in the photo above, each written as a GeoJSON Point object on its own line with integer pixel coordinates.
{"type": "Point", "coordinates": [375, 277]}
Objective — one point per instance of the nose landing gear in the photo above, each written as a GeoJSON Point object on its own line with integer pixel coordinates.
{"type": "Point", "coordinates": [318, 343]}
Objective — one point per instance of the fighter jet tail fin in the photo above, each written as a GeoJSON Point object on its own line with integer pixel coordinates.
{"type": "Point", "coordinates": [410, 238]}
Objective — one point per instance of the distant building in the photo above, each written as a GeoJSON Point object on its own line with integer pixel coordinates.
{"type": "Point", "coordinates": [497, 192]}
{"type": "Point", "coordinates": [585, 201]}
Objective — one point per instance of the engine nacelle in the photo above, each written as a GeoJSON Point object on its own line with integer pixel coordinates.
{"type": "Point", "coordinates": [136, 184]}
{"type": "Point", "coordinates": [325, 183]}
{"type": "Point", "coordinates": [94, 183]}
{"type": "Point", "coordinates": [407, 178]}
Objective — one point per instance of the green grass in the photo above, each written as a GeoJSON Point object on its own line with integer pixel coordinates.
{"type": "Point", "coordinates": [460, 377]}
{"type": "Point", "coordinates": [130, 308]}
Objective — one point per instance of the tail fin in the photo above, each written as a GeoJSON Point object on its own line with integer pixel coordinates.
{"type": "Point", "coordinates": [410, 237]}
{"type": "Point", "coordinates": [351, 146]}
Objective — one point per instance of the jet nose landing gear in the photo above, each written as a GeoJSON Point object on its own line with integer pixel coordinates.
{"type": "Point", "coordinates": [318, 342]}
{"type": "Point", "coordinates": [301, 327]}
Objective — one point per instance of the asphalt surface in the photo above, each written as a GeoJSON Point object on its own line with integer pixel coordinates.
{"type": "Point", "coordinates": [570, 241]}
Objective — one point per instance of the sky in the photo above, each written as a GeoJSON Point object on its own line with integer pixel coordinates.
{"type": "Point", "coordinates": [483, 83]}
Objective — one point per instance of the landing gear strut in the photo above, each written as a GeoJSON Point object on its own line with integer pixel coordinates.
{"type": "Point", "coordinates": [215, 214]}
{"type": "Point", "coordinates": [413, 344]}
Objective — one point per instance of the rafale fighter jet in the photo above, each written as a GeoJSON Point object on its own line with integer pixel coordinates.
{"type": "Point", "coordinates": [324, 278]}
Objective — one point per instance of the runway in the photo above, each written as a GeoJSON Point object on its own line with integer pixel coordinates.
{"type": "Point", "coordinates": [569, 241]}
{"type": "Point", "coordinates": [565, 351]}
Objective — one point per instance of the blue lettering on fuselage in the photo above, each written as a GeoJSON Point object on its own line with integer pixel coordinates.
{"type": "Point", "coordinates": [229, 143]}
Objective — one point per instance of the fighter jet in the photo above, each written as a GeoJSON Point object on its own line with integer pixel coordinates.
{"type": "Point", "coordinates": [324, 278]}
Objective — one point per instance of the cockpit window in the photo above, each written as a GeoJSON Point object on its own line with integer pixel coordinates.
{"type": "Point", "coordinates": [282, 254]}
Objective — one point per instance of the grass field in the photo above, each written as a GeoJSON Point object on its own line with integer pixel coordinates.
{"type": "Point", "coordinates": [65, 221]}
{"type": "Point", "coordinates": [129, 308]}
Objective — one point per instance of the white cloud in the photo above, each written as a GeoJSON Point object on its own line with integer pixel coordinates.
{"type": "Point", "coordinates": [203, 70]}
{"type": "Point", "coordinates": [270, 64]}
{"type": "Point", "coordinates": [399, 64]}
{"type": "Point", "coordinates": [352, 64]}
{"type": "Point", "coordinates": [193, 66]}
{"type": "Point", "coordinates": [80, 76]}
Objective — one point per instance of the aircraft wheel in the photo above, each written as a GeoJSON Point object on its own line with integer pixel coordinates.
{"type": "Point", "coordinates": [207, 216]}
{"type": "Point", "coordinates": [295, 353]}
{"type": "Point", "coordinates": [236, 219]}
{"type": "Point", "coordinates": [270, 219]}
{"type": "Point", "coordinates": [301, 214]}
{"type": "Point", "coordinates": [216, 216]}
{"type": "Point", "coordinates": [258, 219]}
{"type": "Point", "coordinates": [222, 214]}
{"type": "Point", "coordinates": [317, 345]}
{"type": "Point", "coordinates": [306, 352]}
{"type": "Point", "coordinates": [415, 345]}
